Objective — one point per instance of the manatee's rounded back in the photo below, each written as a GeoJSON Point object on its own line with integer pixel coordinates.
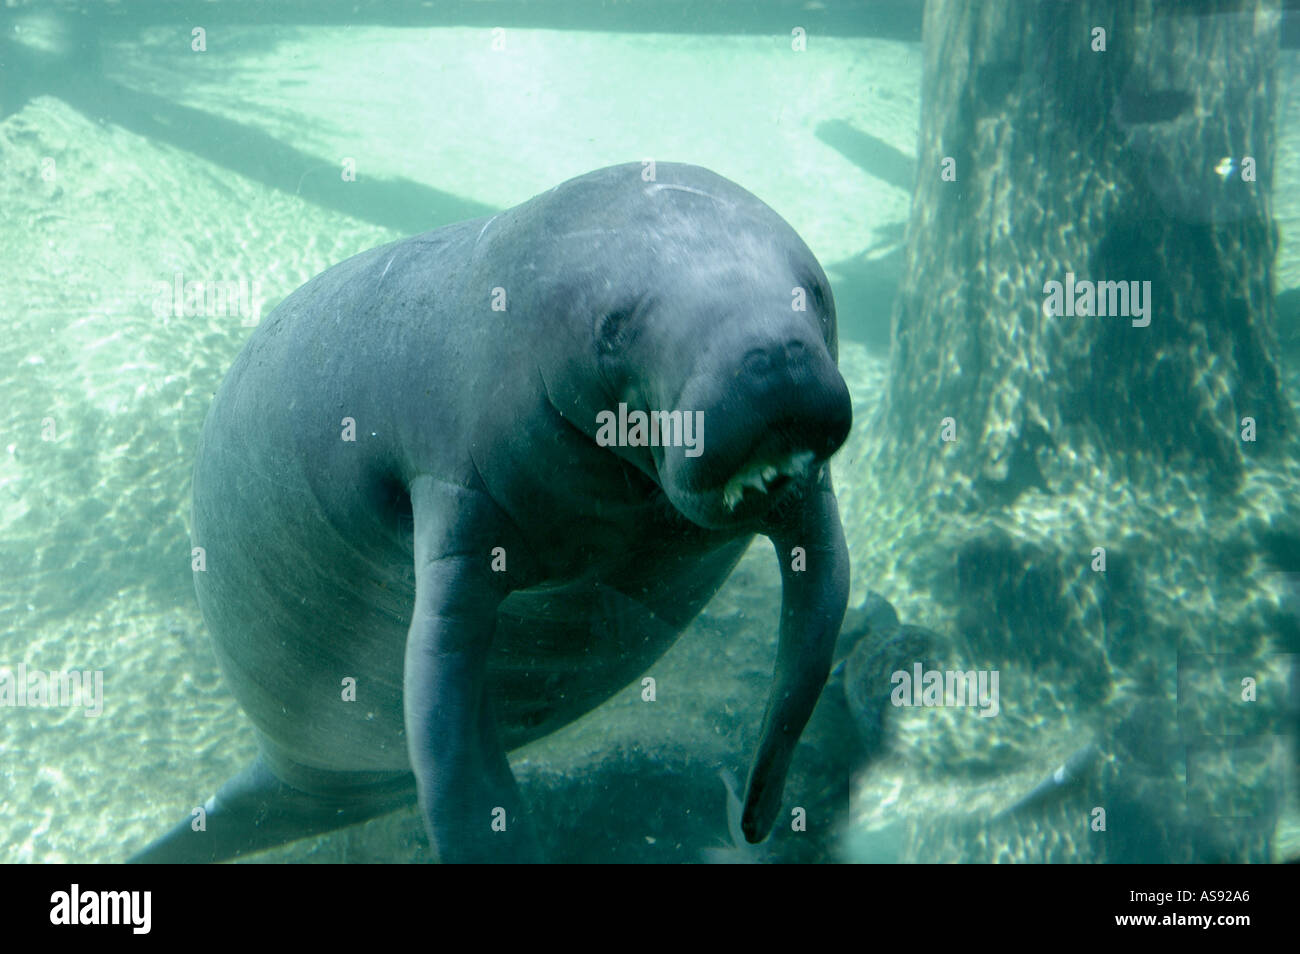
{"type": "Point", "coordinates": [308, 577]}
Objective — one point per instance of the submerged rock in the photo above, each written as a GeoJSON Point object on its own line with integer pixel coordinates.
{"type": "Point", "coordinates": [873, 645]}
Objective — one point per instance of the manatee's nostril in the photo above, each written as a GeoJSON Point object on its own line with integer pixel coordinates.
{"type": "Point", "coordinates": [758, 362]}
{"type": "Point", "coordinates": [763, 361]}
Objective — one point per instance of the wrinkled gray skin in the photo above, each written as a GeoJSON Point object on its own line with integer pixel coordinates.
{"type": "Point", "coordinates": [475, 429]}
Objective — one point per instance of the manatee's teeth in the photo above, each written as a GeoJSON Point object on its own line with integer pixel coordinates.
{"type": "Point", "coordinates": [796, 464]}
{"type": "Point", "coordinates": [759, 474]}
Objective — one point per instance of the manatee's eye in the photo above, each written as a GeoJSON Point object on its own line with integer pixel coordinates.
{"type": "Point", "coordinates": [805, 279]}
{"type": "Point", "coordinates": [613, 330]}
{"type": "Point", "coordinates": [818, 295]}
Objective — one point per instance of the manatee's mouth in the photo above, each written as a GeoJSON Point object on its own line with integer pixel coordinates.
{"type": "Point", "coordinates": [766, 475]}
{"type": "Point", "coordinates": [766, 439]}
{"type": "Point", "coordinates": [728, 487]}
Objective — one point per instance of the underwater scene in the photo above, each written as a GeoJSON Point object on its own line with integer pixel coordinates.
{"type": "Point", "coordinates": [795, 431]}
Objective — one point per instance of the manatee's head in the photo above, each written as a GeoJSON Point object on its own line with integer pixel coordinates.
{"type": "Point", "coordinates": [712, 325]}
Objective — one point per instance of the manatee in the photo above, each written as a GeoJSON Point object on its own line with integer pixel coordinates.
{"type": "Point", "coordinates": [483, 477]}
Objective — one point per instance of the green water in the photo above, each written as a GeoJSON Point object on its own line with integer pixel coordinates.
{"type": "Point", "coordinates": [131, 156]}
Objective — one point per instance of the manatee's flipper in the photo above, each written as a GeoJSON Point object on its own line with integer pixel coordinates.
{"type": "Point", "coordinates": [255, 811]}
{"type": "Point", "coordinates": [812, 607]}
{"type": "Point", "coordinates": [468, 796]}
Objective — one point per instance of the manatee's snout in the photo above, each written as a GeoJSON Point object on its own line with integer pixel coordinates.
{"type": "Point", "coordinates": [772, 412]}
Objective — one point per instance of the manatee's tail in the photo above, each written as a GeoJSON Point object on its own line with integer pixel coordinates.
{"type": "Point", "coordinates": [255, 811]}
